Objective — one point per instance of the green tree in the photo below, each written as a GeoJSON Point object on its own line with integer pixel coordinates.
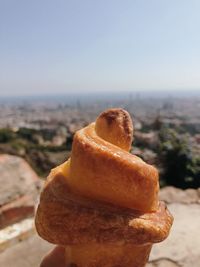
{"type": "Point", "coordinates": [6, 135]}
{"type": "Point", "coordinates": [181, 166]}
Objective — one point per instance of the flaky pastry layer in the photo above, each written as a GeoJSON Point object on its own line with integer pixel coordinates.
{"type": "Point", "coordinates": [65, 218]}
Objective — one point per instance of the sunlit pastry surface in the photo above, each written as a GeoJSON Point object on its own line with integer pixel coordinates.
{"type": "Point", "coordinates": [103, 197]}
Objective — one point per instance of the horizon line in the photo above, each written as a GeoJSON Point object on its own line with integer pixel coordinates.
{"type": "Point", "coordinates": [98, 92]}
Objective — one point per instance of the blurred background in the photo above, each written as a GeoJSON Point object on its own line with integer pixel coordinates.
{"type": "Point", "coordinates": [61, 64]}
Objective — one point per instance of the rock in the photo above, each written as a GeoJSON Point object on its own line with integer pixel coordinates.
{"type": "Point", "coordinates": [182, 247]}
{"type": "Point", "coordinates": [18, 191]}
{"type": "Point", "coordinates": [15, 233]}
{"type": "Point", "coordinates": [27, 253]}
{"type": "Point", "coordinates": [171, 194]}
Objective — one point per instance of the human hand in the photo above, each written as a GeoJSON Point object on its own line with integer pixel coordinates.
{"type": "Point", "coordinates": [55, 258]}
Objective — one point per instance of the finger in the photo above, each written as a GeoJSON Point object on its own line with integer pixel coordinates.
{"type": "Point", "coordinates": [56, 258]}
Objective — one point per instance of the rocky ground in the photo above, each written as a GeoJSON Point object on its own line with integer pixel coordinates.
{"type": "Point", "coordinates": [181, 249]}
{"type": "Point", "coordinates": [19, 189]}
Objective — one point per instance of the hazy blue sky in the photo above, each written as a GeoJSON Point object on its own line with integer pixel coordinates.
{"type": "Point", "coordinates": [51, 46]}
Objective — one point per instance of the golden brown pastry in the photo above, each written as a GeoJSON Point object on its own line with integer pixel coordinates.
{"type": "Point", "coordinates": [102, 204]}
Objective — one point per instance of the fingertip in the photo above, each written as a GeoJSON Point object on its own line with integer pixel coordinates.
{"type": "Point", "coordinates": [55, 258]}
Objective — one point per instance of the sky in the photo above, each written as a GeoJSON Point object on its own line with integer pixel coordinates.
{"type": "Point", "coordinates": [62, 46]}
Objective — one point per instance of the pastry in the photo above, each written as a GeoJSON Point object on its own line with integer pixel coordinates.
{"type": "Point", "coordinates": [102, 204]}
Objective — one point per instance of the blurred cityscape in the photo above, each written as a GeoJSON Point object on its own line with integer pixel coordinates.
{"type": "Point", "coordinates": [167, 130]}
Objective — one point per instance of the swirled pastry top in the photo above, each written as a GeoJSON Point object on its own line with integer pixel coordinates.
{"type": "Point", "coordinates": [101, 167]}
